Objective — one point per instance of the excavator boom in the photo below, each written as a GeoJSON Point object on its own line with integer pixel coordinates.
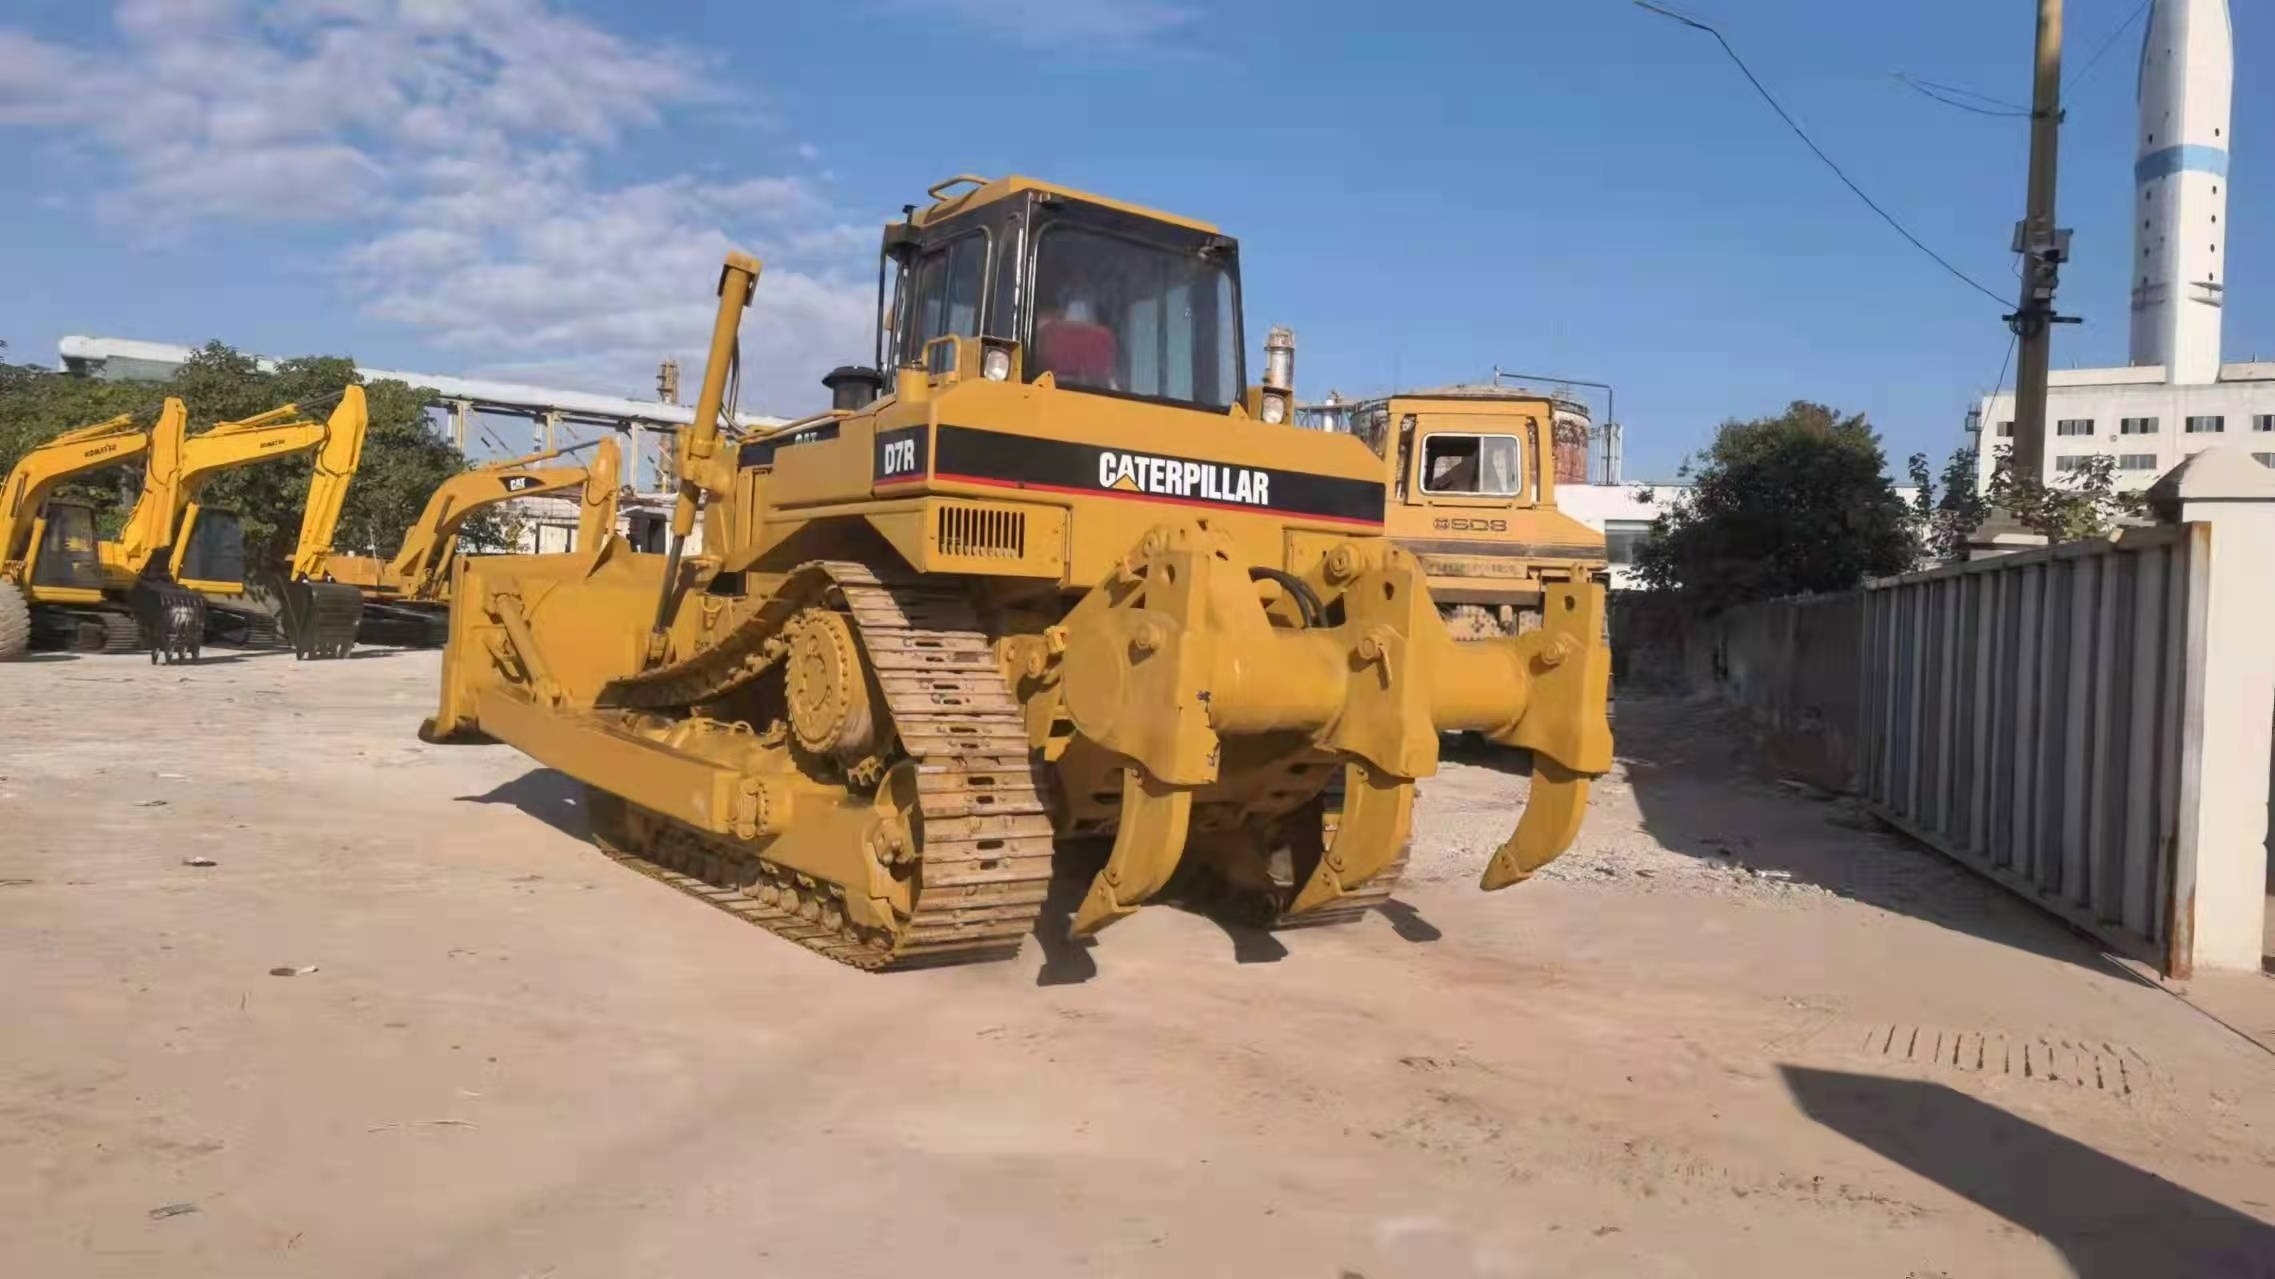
{"type": "Point", "coordinates": [404, 598]}
{"type": "Point", "coordinates": [75, 452]}
{"type": "Point", "coordinates": [281, 432]}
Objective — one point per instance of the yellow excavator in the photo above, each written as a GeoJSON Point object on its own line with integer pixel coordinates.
{"type": "Point", "coordinates": [1061, 581]}
{"type": "Point", "coordinates": [57, 586]}
{"type": "Point", "coordinates": [205, 545]}
{"type": "Point", "coordinates": [406, 600]}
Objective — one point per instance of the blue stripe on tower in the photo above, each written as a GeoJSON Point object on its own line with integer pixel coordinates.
{"type": "Point", "coordinates": [2181, 159]}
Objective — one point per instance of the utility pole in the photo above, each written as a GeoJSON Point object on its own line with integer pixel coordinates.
{"type": "Point", "coordinates": [2044, 247]}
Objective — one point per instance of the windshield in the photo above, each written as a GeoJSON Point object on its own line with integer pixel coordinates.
{"type": "Point", "coordinates": [1136, 319]}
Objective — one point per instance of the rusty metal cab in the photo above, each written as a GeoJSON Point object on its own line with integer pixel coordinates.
{"type": "Point", "coordinates": [1472, 472]}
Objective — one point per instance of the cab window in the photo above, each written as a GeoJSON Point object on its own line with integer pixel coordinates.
{"type": "Point", "coordinates": [1473, 465]}
{"type": "Point", "coordinates": [1147, 320]}
{"type": "Point", "coordinates": [942, 293]}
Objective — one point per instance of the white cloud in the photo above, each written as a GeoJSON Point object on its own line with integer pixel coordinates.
{"type": "Point", "coordinates": [455, 144]}
{"type": "Point", "coordinates": [1063, 24]}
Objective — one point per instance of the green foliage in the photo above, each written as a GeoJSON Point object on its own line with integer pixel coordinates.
{"type": "Point", "coordinates": [1783, 505]}
{"type": "Point", "coordinates": [2080, 504]}
{"type": "Point", "coordinates": [403, 458]}
{"type": "Point", "coordinates": [1946, 513]}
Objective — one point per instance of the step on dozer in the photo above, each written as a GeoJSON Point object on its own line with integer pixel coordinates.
{"type": "Point", "coordinates": [1060, 579]}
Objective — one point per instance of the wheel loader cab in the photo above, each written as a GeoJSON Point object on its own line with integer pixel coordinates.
{"type": "Point", "coordinates": [1094, 295]}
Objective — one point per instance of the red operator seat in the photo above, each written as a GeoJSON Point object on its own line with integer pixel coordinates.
{"type": "Point", "coordinates": [1075, 351]}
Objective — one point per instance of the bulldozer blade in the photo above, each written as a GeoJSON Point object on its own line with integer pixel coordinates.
{"type": "Point", "coordinates": [1550, 823]}
{"type": "Point", "coordinates": [1378, 811]}
{"type": "Point", "coordinates": [1155, 818]}
{"type": "Point", "coordinates": [321, 618]}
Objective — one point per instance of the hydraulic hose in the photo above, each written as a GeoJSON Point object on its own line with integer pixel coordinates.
{"type": "Point", "coordinates": [1306, 600]}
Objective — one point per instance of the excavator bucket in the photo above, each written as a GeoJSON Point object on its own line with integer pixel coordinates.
{"type": "Point", "coordinates": [321, 619]}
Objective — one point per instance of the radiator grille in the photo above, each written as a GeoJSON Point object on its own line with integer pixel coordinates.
{"type": "Point", "coordinates": [979, 532]}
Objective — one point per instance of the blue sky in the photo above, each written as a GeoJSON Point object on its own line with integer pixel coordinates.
{"type": "Point", "coordinates": [540, 188]}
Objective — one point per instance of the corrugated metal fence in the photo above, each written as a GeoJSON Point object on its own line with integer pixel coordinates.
{"type": "Point", "coordinates": [2028, 715]}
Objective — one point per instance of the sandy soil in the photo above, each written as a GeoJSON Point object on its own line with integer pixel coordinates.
{"type": "Point", "coordinates": [1732, 1035]}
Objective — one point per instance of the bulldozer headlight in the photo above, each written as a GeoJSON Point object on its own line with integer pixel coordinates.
{"type": "Point", "coordinates": [1275, 409]}
{"type": "Point", "coordinates": [995, 365]}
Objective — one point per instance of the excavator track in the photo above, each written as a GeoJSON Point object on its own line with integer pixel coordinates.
{"type": "Point", "coordinates": [986, 839]}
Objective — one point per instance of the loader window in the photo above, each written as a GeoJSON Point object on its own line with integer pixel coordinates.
{"type": "Point", "coordinates": [1484, 465]}
{"type": "Point", "coordinates": [1137, 319]}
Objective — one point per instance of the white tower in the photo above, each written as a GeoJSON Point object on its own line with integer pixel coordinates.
{"type": "Point", "coordinates": [2180, 265]}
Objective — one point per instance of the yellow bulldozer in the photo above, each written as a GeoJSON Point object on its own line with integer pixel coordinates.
{"type": "Point", "coordinates": [1063, 580]}
{"type": "Point", "coordinates": [405, 600]}
{"type": "Point", "coordinates": [1472, 474]}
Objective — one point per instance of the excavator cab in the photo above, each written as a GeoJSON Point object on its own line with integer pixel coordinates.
{"type": "Point", "coordinates": [211, 559]}
{"type": "Point", "coordinates": [64, 555]}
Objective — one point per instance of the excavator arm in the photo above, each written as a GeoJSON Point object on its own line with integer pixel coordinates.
{"type": "Point", "coordinates": [278, 433]}
{"type": "Point", "coordinates": [336, 464]}
{"type": "Point", "coordinates": [73, 453]}
{"type": "Point", "coordinates": [421, 568]}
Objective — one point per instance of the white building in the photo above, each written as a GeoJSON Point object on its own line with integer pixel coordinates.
{"type": "Point", "coordinates": [2176, 398]}
{"type": "Point", "coordinates": [2147, 423]}
{"type": "Point", "coordinates": [1623, 514]}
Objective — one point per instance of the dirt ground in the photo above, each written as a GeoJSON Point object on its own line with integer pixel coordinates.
{"type": "Point", "coordinates": [1732, 1034]}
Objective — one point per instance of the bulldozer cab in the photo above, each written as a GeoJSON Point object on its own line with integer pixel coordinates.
{"type": "Point", "coordinates": [65, 564]}
{"type": "Point", "coordinates": [1093, 294]}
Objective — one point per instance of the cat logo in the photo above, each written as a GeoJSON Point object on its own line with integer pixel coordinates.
{"type": "Point", "coordinates": [516, 483]}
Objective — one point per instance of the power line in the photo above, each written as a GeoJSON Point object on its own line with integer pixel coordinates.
{"type": "Point", "coordinates": [1807, 141]}
{"type": "Point", "coordinates": [1949, 96]}
{"type": "Point", "coordinates": [2107, 43]}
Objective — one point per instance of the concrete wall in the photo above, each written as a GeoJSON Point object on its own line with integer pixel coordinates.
{"type": "Point", "coordinates": [2087, 724]}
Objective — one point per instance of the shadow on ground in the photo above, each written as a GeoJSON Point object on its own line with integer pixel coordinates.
{"type": "Point", "coordinates": [1700, 791]}
{"type": "Point", "coordinates": [2109, 1219]}
{"type": "Point", "coordinates": [558, 800]}
{"type": "Point", "coordinates": [551, 797]}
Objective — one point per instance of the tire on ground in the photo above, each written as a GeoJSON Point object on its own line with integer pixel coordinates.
{"type": "Point", "coordinates": [15, 622]}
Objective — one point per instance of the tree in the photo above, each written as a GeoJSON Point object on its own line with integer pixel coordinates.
{"type": "Point", "coordinates": [1782, 505]}
{"type": "Point", "coordinates": [2083, 502]}
{"type": "Point", "coordinates": [1944, 515]}
{"type": "Point", "coordinates": [404, 460]}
